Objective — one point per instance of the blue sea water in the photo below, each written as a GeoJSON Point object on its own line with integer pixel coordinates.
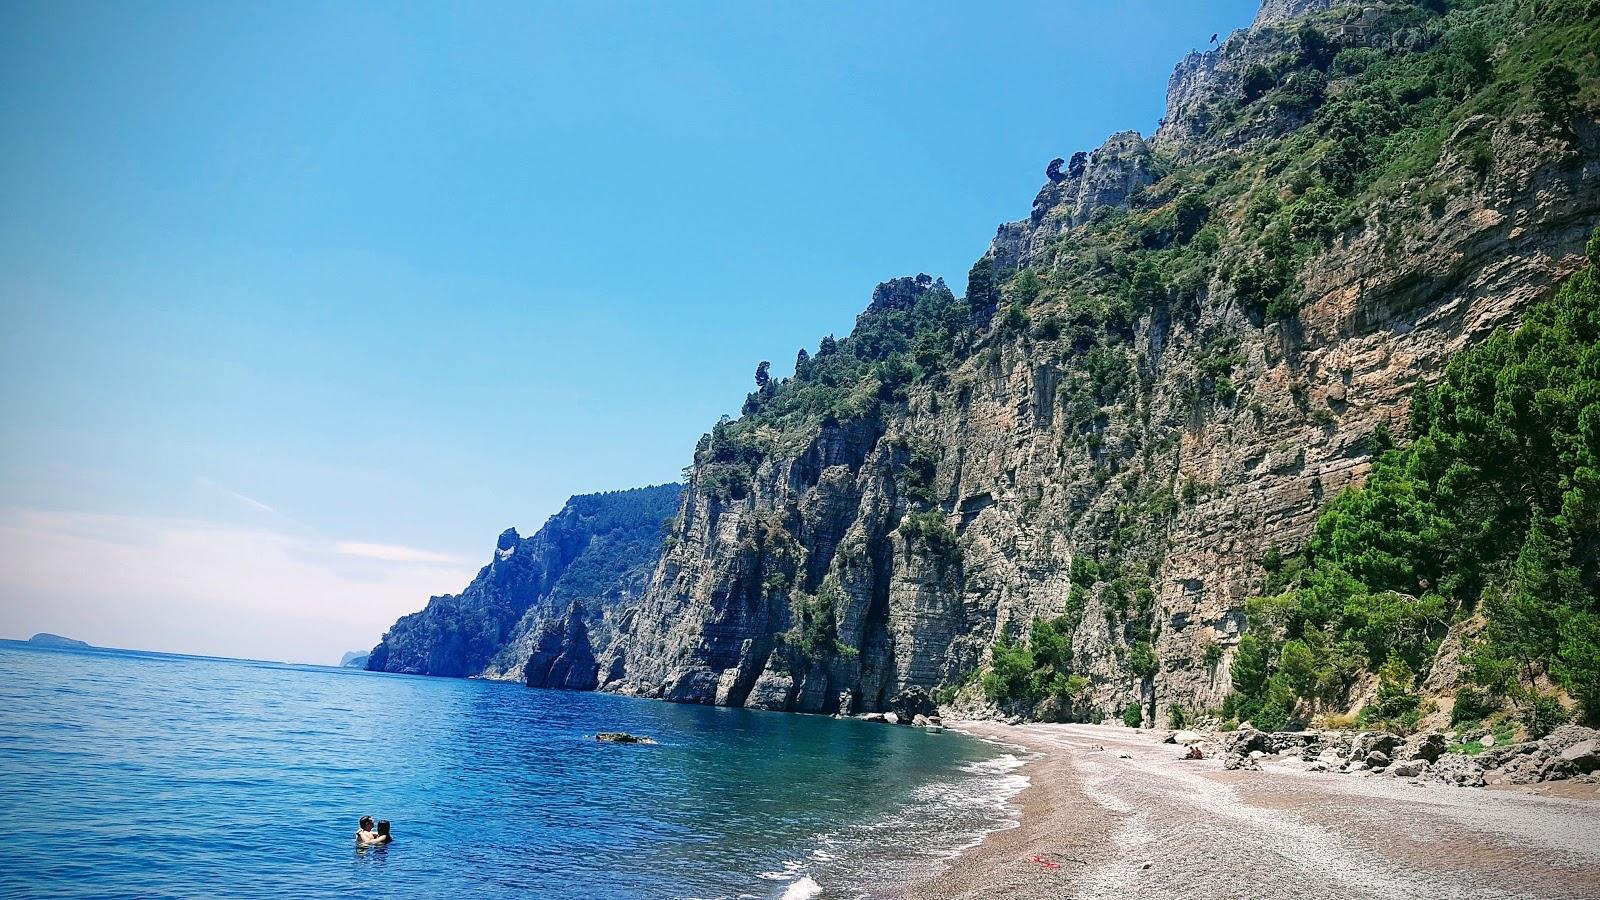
{"type": "Point", "coordinates": [127, 774]}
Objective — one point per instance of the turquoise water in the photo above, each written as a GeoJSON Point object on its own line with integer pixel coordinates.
{"type": "Point", "coordinates": [132, 774]}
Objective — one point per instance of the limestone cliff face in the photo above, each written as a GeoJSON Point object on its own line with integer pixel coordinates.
{"type": "Point", "coordinates": [593, 554]}
{"type": "Point", "coordinates": [1277, 12]}
{"type": "Point", "coordinates": [1101, 179]}
{"type": "Point", "coordinates": [1022, 475]}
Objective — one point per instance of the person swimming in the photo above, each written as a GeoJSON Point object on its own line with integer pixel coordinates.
{"type": "Point", "coordinates": [370, 835]}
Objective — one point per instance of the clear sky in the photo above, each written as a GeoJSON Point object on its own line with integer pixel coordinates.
{"type": "Point", "coordinates": [302, 304]}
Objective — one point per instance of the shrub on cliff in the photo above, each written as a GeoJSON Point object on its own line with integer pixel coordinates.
{"type": "Point", "coordinates": [1493, 510]}
{"type": "Point", "coordinates": [1038, 670]}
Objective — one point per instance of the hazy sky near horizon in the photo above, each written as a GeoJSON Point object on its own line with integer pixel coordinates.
{"type": "Point", "coordinates": [302, 304]}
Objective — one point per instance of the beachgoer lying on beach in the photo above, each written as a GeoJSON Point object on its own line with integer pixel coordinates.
{"type": "Point", "coordinates": [366, 836]}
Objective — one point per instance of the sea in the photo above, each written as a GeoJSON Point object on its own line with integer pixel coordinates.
{"type": "Point", "coordinates": [131, 774]}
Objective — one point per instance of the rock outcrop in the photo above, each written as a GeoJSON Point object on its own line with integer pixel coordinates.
{"type": "Point", "coordinates": [1569, 752]}
{"type": "Point", "coordinates": [837, 564]}
{"type": "Point", "coordinates": [1154, 383]}
{"type": "Point", "coordinates": [533, 606]}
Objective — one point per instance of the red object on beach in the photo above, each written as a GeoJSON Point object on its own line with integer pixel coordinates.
{"type": "Point", "coordinates": [1043, 861]}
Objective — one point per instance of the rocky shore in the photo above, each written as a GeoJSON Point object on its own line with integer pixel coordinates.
{"type": "Point", "coordinates": [1569, 752]}
{"type": "Point", "coordinates": [1117, 812]}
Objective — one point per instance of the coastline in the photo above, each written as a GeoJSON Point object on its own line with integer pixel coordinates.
{"type": "Point", "coordinates": [1120, 815]}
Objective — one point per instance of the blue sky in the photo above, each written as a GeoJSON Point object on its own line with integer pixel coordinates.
{"type": "Point", "coordinates": [309, 301]}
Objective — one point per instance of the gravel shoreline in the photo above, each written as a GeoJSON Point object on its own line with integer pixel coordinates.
{"type": "Point", "coordinates": [1120, 815]}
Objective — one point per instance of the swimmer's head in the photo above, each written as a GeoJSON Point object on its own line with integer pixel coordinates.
{"type": "Point", "coordinates": [366, 823]}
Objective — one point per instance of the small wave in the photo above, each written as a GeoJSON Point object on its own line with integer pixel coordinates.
{"type": "Point", "coordinates": [997, 766]}
{"type": "Point", "coordinates": [791, 868]}
{"type": "Point", "coordinates": [804, 889]}
{"type": "Point", "coordinates": [940, 821]}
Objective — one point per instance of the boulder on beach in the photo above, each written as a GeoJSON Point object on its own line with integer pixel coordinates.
{"type": "Point", "coordinates": [1429, 746]}
{"type": "Point", "coordinates": [1583, 756]}
{"type": "Point", "coordinates": [623, 737]}
{"type": "Point", "coordinates": [1368, 742]}
{"type": "Point", "coordinates": [1245, 739]}
{"type": "Point", "coordinates": [1240, 761]}
{"type": "Point", "coordinates": [1187, 737]}
{"type": "Point", "coordinates": [1458, 770]}
{"type": "Point", "coordinates": [1411, 768]}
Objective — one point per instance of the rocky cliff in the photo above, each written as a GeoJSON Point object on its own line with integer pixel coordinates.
{"type": "Point", "coordinates": [1153, 382]}
{"type": "Point", "coordinates": [597, 552]}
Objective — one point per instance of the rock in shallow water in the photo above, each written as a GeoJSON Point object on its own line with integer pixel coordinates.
{"type": "Point", "coordinates": [622, 737]}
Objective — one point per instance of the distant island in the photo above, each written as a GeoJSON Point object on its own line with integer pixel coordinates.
{"type": "Point", "coordinates": [46, 639]}
{"type": "Point", "coordinates": [355, 659]}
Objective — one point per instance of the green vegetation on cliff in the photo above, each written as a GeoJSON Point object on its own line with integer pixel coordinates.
{"type": "Point", "coordinates": [1489, 518]}
{"type": "Point", "coordinates": [1344, 116]}
{"type": "Point", "coordinates": [914, 331]}
{"type": "Point", "coordinates": [596, 548]}
{"type": "Point", "coordinates": [1153, 305]}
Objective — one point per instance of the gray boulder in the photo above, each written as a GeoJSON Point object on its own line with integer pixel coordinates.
{"type": "Point", "coordinates": [1240, 761]}
{"type": "Point", "coordinates": [1286, 741]}
{"type": "Point", "coordinates": [1246, 739]}
{"type": "Point", "coordinates": [1458, 770]}
{"type": "Point", "coordinates": [1369, 742]}
{"type": "Point", "coordinates": [1377, 759]}
{"type": "Point", "coordinates": [1583, 756]}
{"type": "Point", "coordinates": [912, 702]}
{"type": "Point", "coordinates": [1410, 768]}
{"type": "Point", "coordinates": [1429, 745]}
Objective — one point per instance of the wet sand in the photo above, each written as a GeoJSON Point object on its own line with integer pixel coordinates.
{"type": "Point", "coordinates": [1133, 820]}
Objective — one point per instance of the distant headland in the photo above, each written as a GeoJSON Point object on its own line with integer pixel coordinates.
{"type": "Point", "coordinates": [46, 639]}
